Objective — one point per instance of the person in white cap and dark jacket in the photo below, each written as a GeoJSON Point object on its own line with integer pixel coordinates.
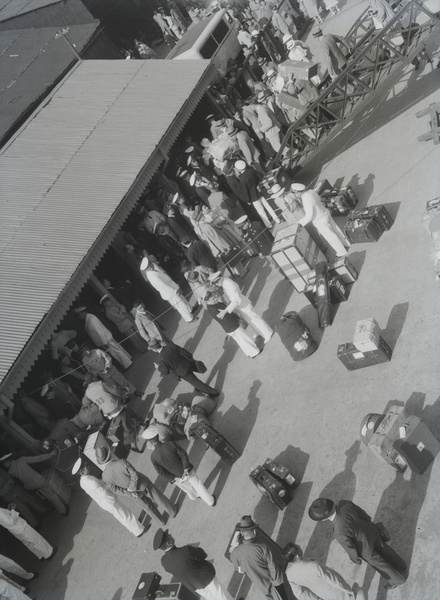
{"type": "Point", "coordinates": [168, 289]}
{"type": "Point", "coordinates": [320, 217]}
{"type": "Point", "coordinates": [172, 462]}
{"type": "Point", "coordinates": [105, 499]}
{"type": "Point", "coordinates": [240, 304]}
{"type": "Point", "coordinates": [247, 191]}
{"type": "Point", "coordinates": [189, 565]}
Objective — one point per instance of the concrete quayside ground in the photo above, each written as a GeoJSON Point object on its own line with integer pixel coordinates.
{"type": "Point", "coordinates": [305, 414]}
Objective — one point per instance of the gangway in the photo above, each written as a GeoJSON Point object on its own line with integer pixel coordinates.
{"type": "Point", "coordinates": [373, 55]}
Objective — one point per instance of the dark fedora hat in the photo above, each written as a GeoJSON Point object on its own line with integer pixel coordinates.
{"type": "Point", "coordinates": [321, 509]}
{"type": "Point", "coordinates": [160, 538]}
{"type": "Point", "coordinates": [246, 522]}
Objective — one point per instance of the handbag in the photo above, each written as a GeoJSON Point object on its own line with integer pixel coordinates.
{"type": "Point", "coordinates": [383, 532]}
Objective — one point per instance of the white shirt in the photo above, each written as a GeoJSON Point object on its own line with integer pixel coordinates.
{"type": "Point", "coordinates": [313, 207]}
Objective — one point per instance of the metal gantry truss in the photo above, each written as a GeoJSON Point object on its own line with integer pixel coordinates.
{"type": "Point", "coordinates": [373, 55]}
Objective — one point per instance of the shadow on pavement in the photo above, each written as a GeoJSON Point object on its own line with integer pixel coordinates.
{"type": "Point", "coordinates": [341, 487]}
{"type": "Point", "coordinates": [404, 497]}
{"type": "Point", "coordinates": [394, 326]}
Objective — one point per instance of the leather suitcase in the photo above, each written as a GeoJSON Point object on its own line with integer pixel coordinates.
{"type": "Point", "coordinates": [175, 591]}
{"type": "Point", "coordinates": [338, 290]}
{"type": "Point", "coordinates": [216, 441]}
{"type": "Point", "coordinates": [379, 212]}
{"type": "Point", "coordinates": [337, 204]}
{"type": "Point", "coordinates": [271, 486]}
{"type": "Point", "coordinates": [343, 267]}
{"type": "Point", "coordinates": [310, 293]}
{"type": "Point", "coordinates": [295, 336]}
{"type": "Point", "coordinates": [57, 483]}
{"type": "Point", "coordinates": [279, 471]}
{"type": "Point", "coordinates": [224, 449]}
{"type": "Point", "coordinates": [419, 447]}
{"type": "Point", "coordinates": [362, 230]}
{"type": "Point", "coordinates": [354, 359]}
{"type": "Point", "coordinates": [147, 586]}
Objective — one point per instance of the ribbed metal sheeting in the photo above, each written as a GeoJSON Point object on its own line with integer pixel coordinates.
{"type": "Point", "coordinates": [15, 8]}
{"type": "Point", "coordinates": [68, 181]}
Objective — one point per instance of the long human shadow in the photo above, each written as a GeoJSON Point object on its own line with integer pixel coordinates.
{"type": "Point", "coordinates": [342, 486]}
{"type": "Point", "coordinates": [200, 330]}
{"type": "Point", "coordinates": [278, 301]}
{"type": "Point", "coordinates": [362, 190]}
{"type": "Point", "coordinates": [404, 499]}
{"type": "Point", "coordinates": [395, 323]}
{"type": "Point", "coordinates": [236, 425]}
{"type": "Point", "coordinates": [220, 368]}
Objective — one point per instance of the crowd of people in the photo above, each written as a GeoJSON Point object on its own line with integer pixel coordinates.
{"type": "Point", "coordinates": [210, 211]}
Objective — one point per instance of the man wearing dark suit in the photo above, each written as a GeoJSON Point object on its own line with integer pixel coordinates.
{"type": "Point", "coordinates": [198, 253]}
{"type": "Point", "coordinates": [360, 538]}
{"type": "Point", "coordinates": [123, 479]}
{"type": "Point", "coordinates": [172, 462]}
{"type": "Point", "coordinates": [188, 564]}
{"type": "Point", "coordinates": [174, 359]}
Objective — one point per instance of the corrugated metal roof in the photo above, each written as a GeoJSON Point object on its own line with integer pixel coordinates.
{"type": "Point", "coordinates": [31, 61]}
{"type": "Point", "coordinates": [15, 8]}
{"type": "Point", "coordinates": [64, 177]}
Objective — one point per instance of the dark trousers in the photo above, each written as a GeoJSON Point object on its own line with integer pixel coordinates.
{"type": "Point", "coordinates": [197, 383]}
{"type": "Point", "coordinates": [388, 563]}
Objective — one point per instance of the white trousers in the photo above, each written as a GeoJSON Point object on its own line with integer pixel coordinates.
{"type": "Point", "coordinates": [194, 488]}
{"type": "Point", "coordinates": [30, 538]}
{"type": "Point", "coordinates": [11, 566]}
{"type": "Point", "coordinates": [332, 234]}
{"type": "Point", "coordinates": [214, 591]}
{"type": "Point", "coordinates": [11, 592]}
{"type": "Point", "coordinates": [264, 210]}
{"type": "Point", "coordinates": [245, 342]}
{"type": "Point", "coordinates": [181, 304]}
{"type": "Point", "coordinates": [258, 324]}
{"type": "Point", "coordinates": [117, 351]}
{"type": "Point", "coordinates": [112, 505]}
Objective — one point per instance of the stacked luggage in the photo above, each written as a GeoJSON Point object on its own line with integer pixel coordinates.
{"type": "Point", "coordinates": [338, 201]}
{"type": "Point", "coordinates": [368, 347]}
{"type": "Point", "coordinates": [368, 224]}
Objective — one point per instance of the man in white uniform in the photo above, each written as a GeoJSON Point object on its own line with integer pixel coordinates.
{"type": "Point", "coordinates": [102, 337]}
{"type": "Point", "coordinates": [240, 305]}
{"type": "Point", "coordinates": [167, 288]}
{"type": "Point", "coordinates": [321, 218]}
{"type": "Point", "coordinates": [105, 499]}
{"type": "Point", "coordinates": [11, 566]}
{"type": "Point", "coordinates": [11, 520]}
